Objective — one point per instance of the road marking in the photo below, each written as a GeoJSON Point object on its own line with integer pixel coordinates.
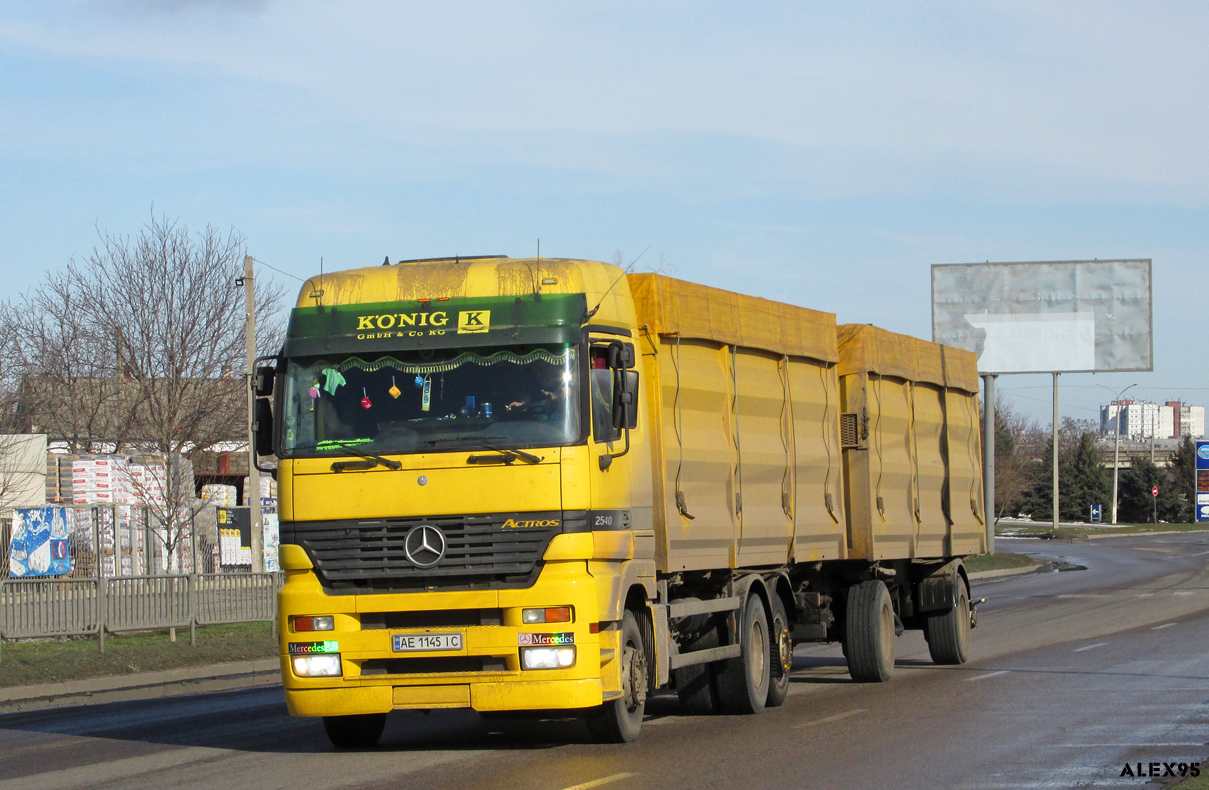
{"type": "Point", "coordinates": [1185, 592]}
{"type": "Point", "coordinates": [1164, 625]}
{"type": "Point", "coordinates": [604, 780]}
{"type": "Point", "coordinates": [989, 675]}
{"type": "Point", "coordinates": [1089, 647]}
{"type": "Point", "coordinates": [1098, 745]}
{"type": "Point", "coordinates": [1139, 595]}
{"type": "Point", "coordinates": [829, 719]}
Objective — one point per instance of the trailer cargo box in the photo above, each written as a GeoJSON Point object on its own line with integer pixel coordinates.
{"type": "Point", "coordinates": [912, 456]}
{"type": "Point", "coordinates": [744, 406]}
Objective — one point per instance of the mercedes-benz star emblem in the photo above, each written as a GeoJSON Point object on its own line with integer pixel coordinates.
{"type": "Point", "coordinates": [424, 545]}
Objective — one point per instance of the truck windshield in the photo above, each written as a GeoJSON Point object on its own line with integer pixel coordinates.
{"type": "Point", "coordinates": [421, 401]}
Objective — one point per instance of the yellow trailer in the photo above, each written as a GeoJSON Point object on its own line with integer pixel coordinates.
{"type": "Point", "coordinates": [543, 484]}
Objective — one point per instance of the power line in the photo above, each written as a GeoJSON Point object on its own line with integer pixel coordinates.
{"type": "Point", "coordinates": [279, 271]}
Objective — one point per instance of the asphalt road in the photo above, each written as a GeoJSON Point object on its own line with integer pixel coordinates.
{"type": "Point", "coordinates": [1073, 676]}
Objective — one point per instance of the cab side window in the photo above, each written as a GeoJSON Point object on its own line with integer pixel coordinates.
{"type": "Point", "coordinates": [601, 385]}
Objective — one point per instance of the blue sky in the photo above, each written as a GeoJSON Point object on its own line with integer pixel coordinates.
{"type": "Point", "coordinates": [825, 154]}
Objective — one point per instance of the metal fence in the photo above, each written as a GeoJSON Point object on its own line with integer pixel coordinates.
{"type": "Point", "coordinates": [80, 607]}
{"type": "Point", "coordinates": [131, 569]}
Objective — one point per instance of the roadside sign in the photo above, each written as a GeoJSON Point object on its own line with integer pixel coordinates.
{"type": "Point", "coordinates": [1154, 490]}
{"type": "Point", "coordinates": [1097, 514]}
{"type": "Point", "coordinates": [1202, 481]}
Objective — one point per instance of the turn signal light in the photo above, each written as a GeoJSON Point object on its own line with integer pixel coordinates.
{"type": "Point", "coordinates": [321, 623]}
{"type": "Point", "coordinates": [555, 614]}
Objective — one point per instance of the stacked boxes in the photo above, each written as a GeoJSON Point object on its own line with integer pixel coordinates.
{"type": "Point", "coordinates": [100, 480]}
{"type": "Point", "coordinates": [219, 495]}
{"type": "Point", "coordinates": [268, 492]}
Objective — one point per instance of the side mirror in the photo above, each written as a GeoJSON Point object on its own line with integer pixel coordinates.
{"type": "Point", "coordinates": [625, 399]}
{"type": "Point", "coordinates": [262, 427]}
{"type": "Point", "coordinates": [262, 381]}
{"type": "Point", "coordinates": [620, 355]}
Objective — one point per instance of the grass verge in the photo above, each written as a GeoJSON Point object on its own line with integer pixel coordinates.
{"type": "Point", "coordinates": [997, 562]}
{"type": "Point", "coordinates": [1193, 783]}
{"type": "Point", "coordinates": [1076, 533]}
{"type": "Point", "coordinates": [28, 663]}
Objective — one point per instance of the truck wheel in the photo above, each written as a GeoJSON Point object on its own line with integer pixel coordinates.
{"type": "Point", "coordinates": [696, 685]}
{"type": "Point", "coordinates": [355, 732]}
{"type": "Point", "coordinates": [620, 720]}
{"type": "Point", "coordinates": [743, 681]}
{"type": "Point", "coordinates": [870, 632]}
{"type": "Point", "coordinates": [948, 634]}
{"type": "Point", "coordinates": [781, 650]}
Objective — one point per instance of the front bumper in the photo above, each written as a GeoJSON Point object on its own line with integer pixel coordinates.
{"type": "Point", "coordinates": [499, 685]}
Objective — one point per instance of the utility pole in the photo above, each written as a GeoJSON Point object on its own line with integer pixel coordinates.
{"type": "Point", "coordinates": [1055, 426]}
{"type": "Point", "coordinates": [988, 457]}
{"type": "Point", "coordinates": [252, 495]}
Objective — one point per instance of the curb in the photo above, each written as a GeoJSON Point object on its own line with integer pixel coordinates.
{"type": "Point", "coordinates": [144, 685]}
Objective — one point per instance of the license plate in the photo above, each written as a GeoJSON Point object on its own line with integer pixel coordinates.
{"type": "Point", "coordinates": [415, 643]}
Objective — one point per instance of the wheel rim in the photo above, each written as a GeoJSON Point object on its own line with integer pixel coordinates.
{"type": "Point", "coordinates": [887, 630]}
{"type": "Point", "coordinates": [758, 657]}
{"type": "Point", "coordinates": [784, 647]}
{"type": "Point", "coordinates": [633, 677]}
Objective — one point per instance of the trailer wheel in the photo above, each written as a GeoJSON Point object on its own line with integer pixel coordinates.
{"type": "Point", "coordinates": [781, 646]}
{"type": "Point", "coordinates": [355, 732]}
{"type": "Point", "coordinates": [948, 634]}
{"type": "Point", "coordinates": [743, 681]}
{"type": "Point", "coordinates": [870, 632]}
{"type": "Point", "coordinates": [696, 684]}
{"type": "Point", "coordinates": [620, 720]}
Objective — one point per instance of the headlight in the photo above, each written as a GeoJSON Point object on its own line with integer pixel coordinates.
{"type": "Point", "coordinates": [325, 665]}
{"type": "Point", "coordinates": [554, 614]}
{"type": "Point", "coordinates": [547, 657]}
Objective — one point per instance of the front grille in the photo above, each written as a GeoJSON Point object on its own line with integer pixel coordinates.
{"type": "Point", "coordinates": [482, 552]}
{"type": "Point", "coordinates": [433, 618]}
{"type": "Point", "coordinates": [432, 665]}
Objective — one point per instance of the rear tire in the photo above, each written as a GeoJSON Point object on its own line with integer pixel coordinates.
{"type": "Point", "coordinates": [355, 732]}
{"type": "Point", "coordinates": [695, 684]}
{"type": "Point", "coordinates": [948, 634]}
{"type": "Point", "coordinates": [620, 720]}
{"type": "Point", "coordinates": [743, 681]}
{"type": "Point", "coordinates": [781, 651]}
{"type": "Point", "coordinates": [870, 632]}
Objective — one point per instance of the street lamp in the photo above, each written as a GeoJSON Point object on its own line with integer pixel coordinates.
{"type": "Point", "coordinates": [1116, 447]}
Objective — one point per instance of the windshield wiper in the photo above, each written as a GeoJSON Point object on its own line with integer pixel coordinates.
{"type": "Point", "coordinates": [373, 460]}
{"type": "Point", "coordinates": [509, 455]}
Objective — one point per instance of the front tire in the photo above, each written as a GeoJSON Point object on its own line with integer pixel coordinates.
{"type": "Point", "coordinates": [620, 720]}
{"type": "Point", "coordinates": [743, 681]}
{"type": "Point", "coordinates": [355, 732]}
{"type": "Point", "coordinates": [948, 634]}
{"type": "Point", "coordinates": [870, 632]}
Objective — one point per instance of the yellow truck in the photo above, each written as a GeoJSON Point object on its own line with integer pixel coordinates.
{"type": "Point", "coordinates": [548, 485]}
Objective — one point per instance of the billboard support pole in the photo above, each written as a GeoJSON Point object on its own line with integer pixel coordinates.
{"type": "Point", "coordinates": [988, 457]}
{"type": "Point", "coordinates": [1055, 497]}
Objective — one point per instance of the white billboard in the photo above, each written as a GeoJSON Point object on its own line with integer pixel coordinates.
{"type": "Point", "coordinates": [1047, 316]}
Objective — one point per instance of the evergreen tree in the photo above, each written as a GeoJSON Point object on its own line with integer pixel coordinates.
{"type": "Point", "coordinates": [1082, 479]}
{"type": "Point", "coordinates": [1181, 480]}
{"type": "Point", "coordinates": [1138, 505]}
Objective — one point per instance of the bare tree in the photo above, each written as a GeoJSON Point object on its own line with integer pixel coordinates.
{"type": "Point", "coordinates": [1018, 447]}
{"type": "Point", "coordinates": [136, 349]}
{"type": "Point", "coordinates": [61, 371]}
